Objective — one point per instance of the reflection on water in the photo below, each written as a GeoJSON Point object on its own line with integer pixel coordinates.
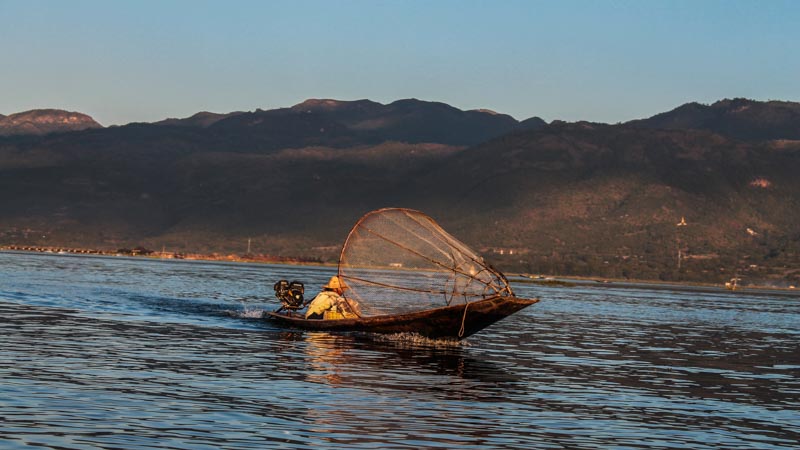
{"type": "Point", "coordinates": [116, 353]}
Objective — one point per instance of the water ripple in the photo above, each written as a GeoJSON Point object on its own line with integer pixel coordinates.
{"type": "Point", "coordinates": [118, 353]}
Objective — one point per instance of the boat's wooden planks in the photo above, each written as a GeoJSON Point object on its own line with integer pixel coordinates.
{"type": "Point", "coordinates": [445, 322]}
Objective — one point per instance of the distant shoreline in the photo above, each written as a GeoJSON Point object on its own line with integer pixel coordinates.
{"type": "Point", "coordinates": [254, 258]}
{"type": "Point", "coordinates": [580, 281]}
{"type": "Point", "coordinates": [522, 278]}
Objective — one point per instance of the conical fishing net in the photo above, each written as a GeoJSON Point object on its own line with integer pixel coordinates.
{"type": "Point", "coordinates": [399, 261]}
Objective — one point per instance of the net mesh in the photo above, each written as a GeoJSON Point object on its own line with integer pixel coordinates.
{"type": "Point", "coordinates": [399, 260]}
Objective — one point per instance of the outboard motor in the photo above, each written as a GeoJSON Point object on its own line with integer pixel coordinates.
{"type": "Point", "coordinates": [290, 294]}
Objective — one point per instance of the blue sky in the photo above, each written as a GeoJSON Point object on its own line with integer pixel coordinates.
{"type": "Point", "coordinates": [603, 61]}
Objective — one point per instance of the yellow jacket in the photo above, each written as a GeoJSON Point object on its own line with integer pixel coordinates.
{"type": "Point", "coordinates": [330, 301]}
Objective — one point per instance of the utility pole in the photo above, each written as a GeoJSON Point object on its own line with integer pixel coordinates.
{"type": "Point", "coordinates": [680, 224]}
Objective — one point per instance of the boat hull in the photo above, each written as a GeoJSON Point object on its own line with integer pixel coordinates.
{"type": "Point", "coordinates": [447, 322]}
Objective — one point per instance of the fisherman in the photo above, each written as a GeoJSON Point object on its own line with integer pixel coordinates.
{"type": "Point", "coordinates": [330, 300]}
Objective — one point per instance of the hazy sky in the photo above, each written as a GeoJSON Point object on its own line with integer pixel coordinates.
{"type": "Point", "coordinates": [573, 60]}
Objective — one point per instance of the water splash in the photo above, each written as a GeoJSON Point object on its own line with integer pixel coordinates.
{"type": "Point", "coordinates": [246, 312]}
{"type": "Point", "coordinates": [409, 339]}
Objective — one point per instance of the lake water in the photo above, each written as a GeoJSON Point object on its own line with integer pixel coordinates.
{"type": "Point", "coordinates": [101, 352]}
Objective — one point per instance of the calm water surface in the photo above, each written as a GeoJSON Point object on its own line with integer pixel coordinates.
{"type": "Point", "coordinates": [122, 353]}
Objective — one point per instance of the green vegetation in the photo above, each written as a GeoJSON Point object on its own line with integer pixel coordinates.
{"type": "Point", "coordinates": [578, 199]}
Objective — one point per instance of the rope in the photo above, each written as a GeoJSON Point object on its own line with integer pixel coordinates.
{"type": "Point", "coordinates": [463, 319]}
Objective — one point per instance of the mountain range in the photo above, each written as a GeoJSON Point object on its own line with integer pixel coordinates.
{"type": "Point", "coordinates": [45, 121]}
{"type": "Point", "coordinates": [565, 198]}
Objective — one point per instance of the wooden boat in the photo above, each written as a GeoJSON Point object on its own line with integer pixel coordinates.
{"type": "Point", "coordinates": [403, 273]}
{"type": "Point", "coordinates": [452, 322]}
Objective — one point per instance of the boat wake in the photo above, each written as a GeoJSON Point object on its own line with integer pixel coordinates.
{"type": "Point", "coordinates": [246, 313]}
{"type": "Point", "coordinates": [417, 340]}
